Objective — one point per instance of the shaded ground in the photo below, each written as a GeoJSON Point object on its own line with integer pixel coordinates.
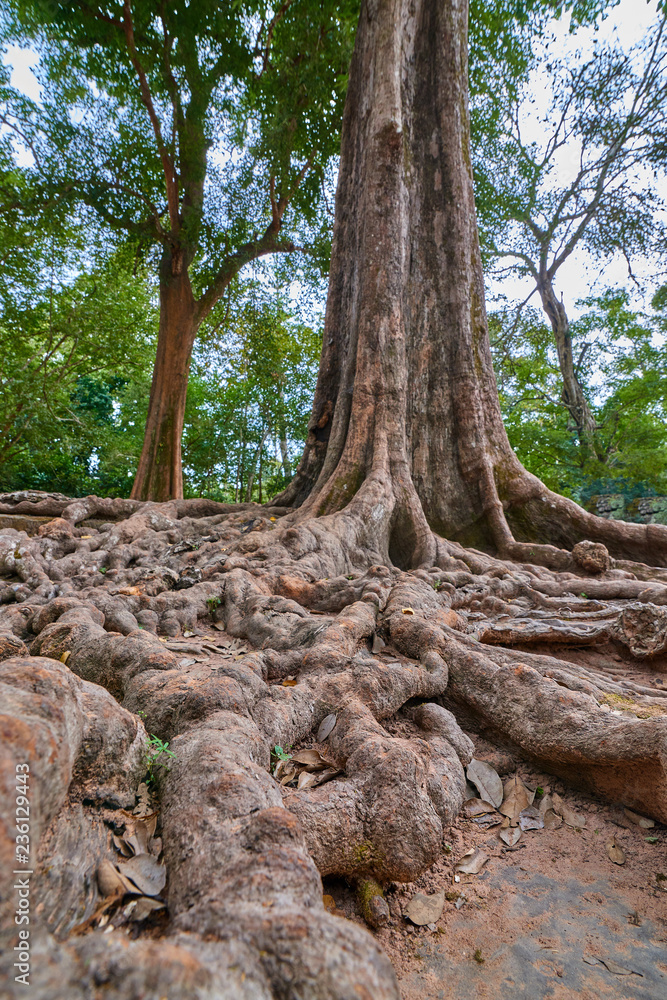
{"type": "Point", "coordinates": [537, 914]}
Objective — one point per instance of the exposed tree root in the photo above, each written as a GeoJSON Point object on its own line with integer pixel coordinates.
{"type": "Point", "coordinates": [330, 628]}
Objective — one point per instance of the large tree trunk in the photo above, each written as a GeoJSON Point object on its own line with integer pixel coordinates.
{"type": "Point", "coordinates": [406, 390]}
{"type": "Point", "coordinates": [406, 415]}
{"type": "Point", "coordinates": [573, 393]}
{"type": "Point", "coordinates": [160, 474]}
{"type": "Point", "coordinates": [406, 436]}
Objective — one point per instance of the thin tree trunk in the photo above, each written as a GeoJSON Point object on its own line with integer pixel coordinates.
{"type": "Point", "coordinates": [573, 393]}
{"type": "Point", "coordinates": [241, 460]}
{"type": "Point", "coordinates": [261, 463]}
{"type": "Point", "coordinates": [256, 457]}
{"type": "Point", "coordinates": [159, 475]}
{"type": "Point", "coordinates": [284, 451]}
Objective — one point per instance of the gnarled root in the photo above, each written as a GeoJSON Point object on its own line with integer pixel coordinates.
{"type": "Point", "coordinates": [313, 624]}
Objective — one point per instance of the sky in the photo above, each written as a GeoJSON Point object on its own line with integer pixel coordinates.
{"type": "Point", "coordinates": [579, 277]}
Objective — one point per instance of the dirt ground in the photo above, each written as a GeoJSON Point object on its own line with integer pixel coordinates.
{"type": "Point", "coordinates": [540, 918]}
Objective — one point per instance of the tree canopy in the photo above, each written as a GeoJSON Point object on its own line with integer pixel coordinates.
{"type": "Point", "coordinates": [234, 113]}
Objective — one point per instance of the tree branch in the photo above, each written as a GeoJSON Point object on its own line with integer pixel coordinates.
{"type": "Point", "coordinates": [170, 176]}
{"type": "Point", "coordinates": [280, 13]}
{"type": "Point", "coordinates": [233, 263]}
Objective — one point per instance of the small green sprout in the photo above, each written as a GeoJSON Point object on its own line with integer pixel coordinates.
{"type": "Point", "coordinates": [157, 748]}
{"type": "Point", "coordinates": [213, 603]}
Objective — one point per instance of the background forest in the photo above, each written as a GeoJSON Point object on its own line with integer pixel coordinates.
{"type": "Point", "coordinates": [569, 158]}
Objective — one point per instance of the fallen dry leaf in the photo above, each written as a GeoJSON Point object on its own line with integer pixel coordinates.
{"type": "Point", "coordinates": [329, 903]}
{"type": "Point", "coordinates": [285, 771]}
{"type": "Point", "coordinates": [312, 759]}
{"type": "Point", "coordinates": [472, 862]}
{"type": "Point", "coordinates": [552, 821]}
{"type": "Point", "coordinates": [407, 611]}
{"type": "Point", "coordinates": [307, 779]}
{"type": "Point", "coordinates": [326, 727]}
{"type": "Point", "coordinates": [487, 821]}
{"type": "Point", "coordinates": [65, 656]}
{"type": "Point", "coordinates": [510, 835]}
{"type": "Point", "coordinates": [143, 907]}
{"type": "Point", "coordinates": [289, 682]}
{"type": "Point", "coordinates": [143, 806]}
{"type": "Point", "coordinates": [111, 882]}
{"type": "Point", "coordinates": [149, 876]}
{"type": "Point", "coordinates": [486, 780]}
{"type": "Point", "coordinates": [531, 819]}
{"type": "Point", "coordinates": [576, 820]}
{"type": "Point", "coordinates": [516, 798]}
{"type": "Point", "coordinates": [422, 910]}
{"type": "Point", "coordinates": [378, 644]}
{"type": "Point", "coordinates": [476, 807]}
{"type": "Point", "coordinates": [616, 853]}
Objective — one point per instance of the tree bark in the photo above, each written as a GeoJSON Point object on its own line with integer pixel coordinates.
{"type": "Point", "coordinates": [160, 474]}
{"type": "Point", "coordinates": [406, 391]}
{"type": "Point", "coordinates": [573, 393]}
{"type": "Point", "coordinates": [406, 417]}
{"type": "Point", "coordinates": [406, 386]}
